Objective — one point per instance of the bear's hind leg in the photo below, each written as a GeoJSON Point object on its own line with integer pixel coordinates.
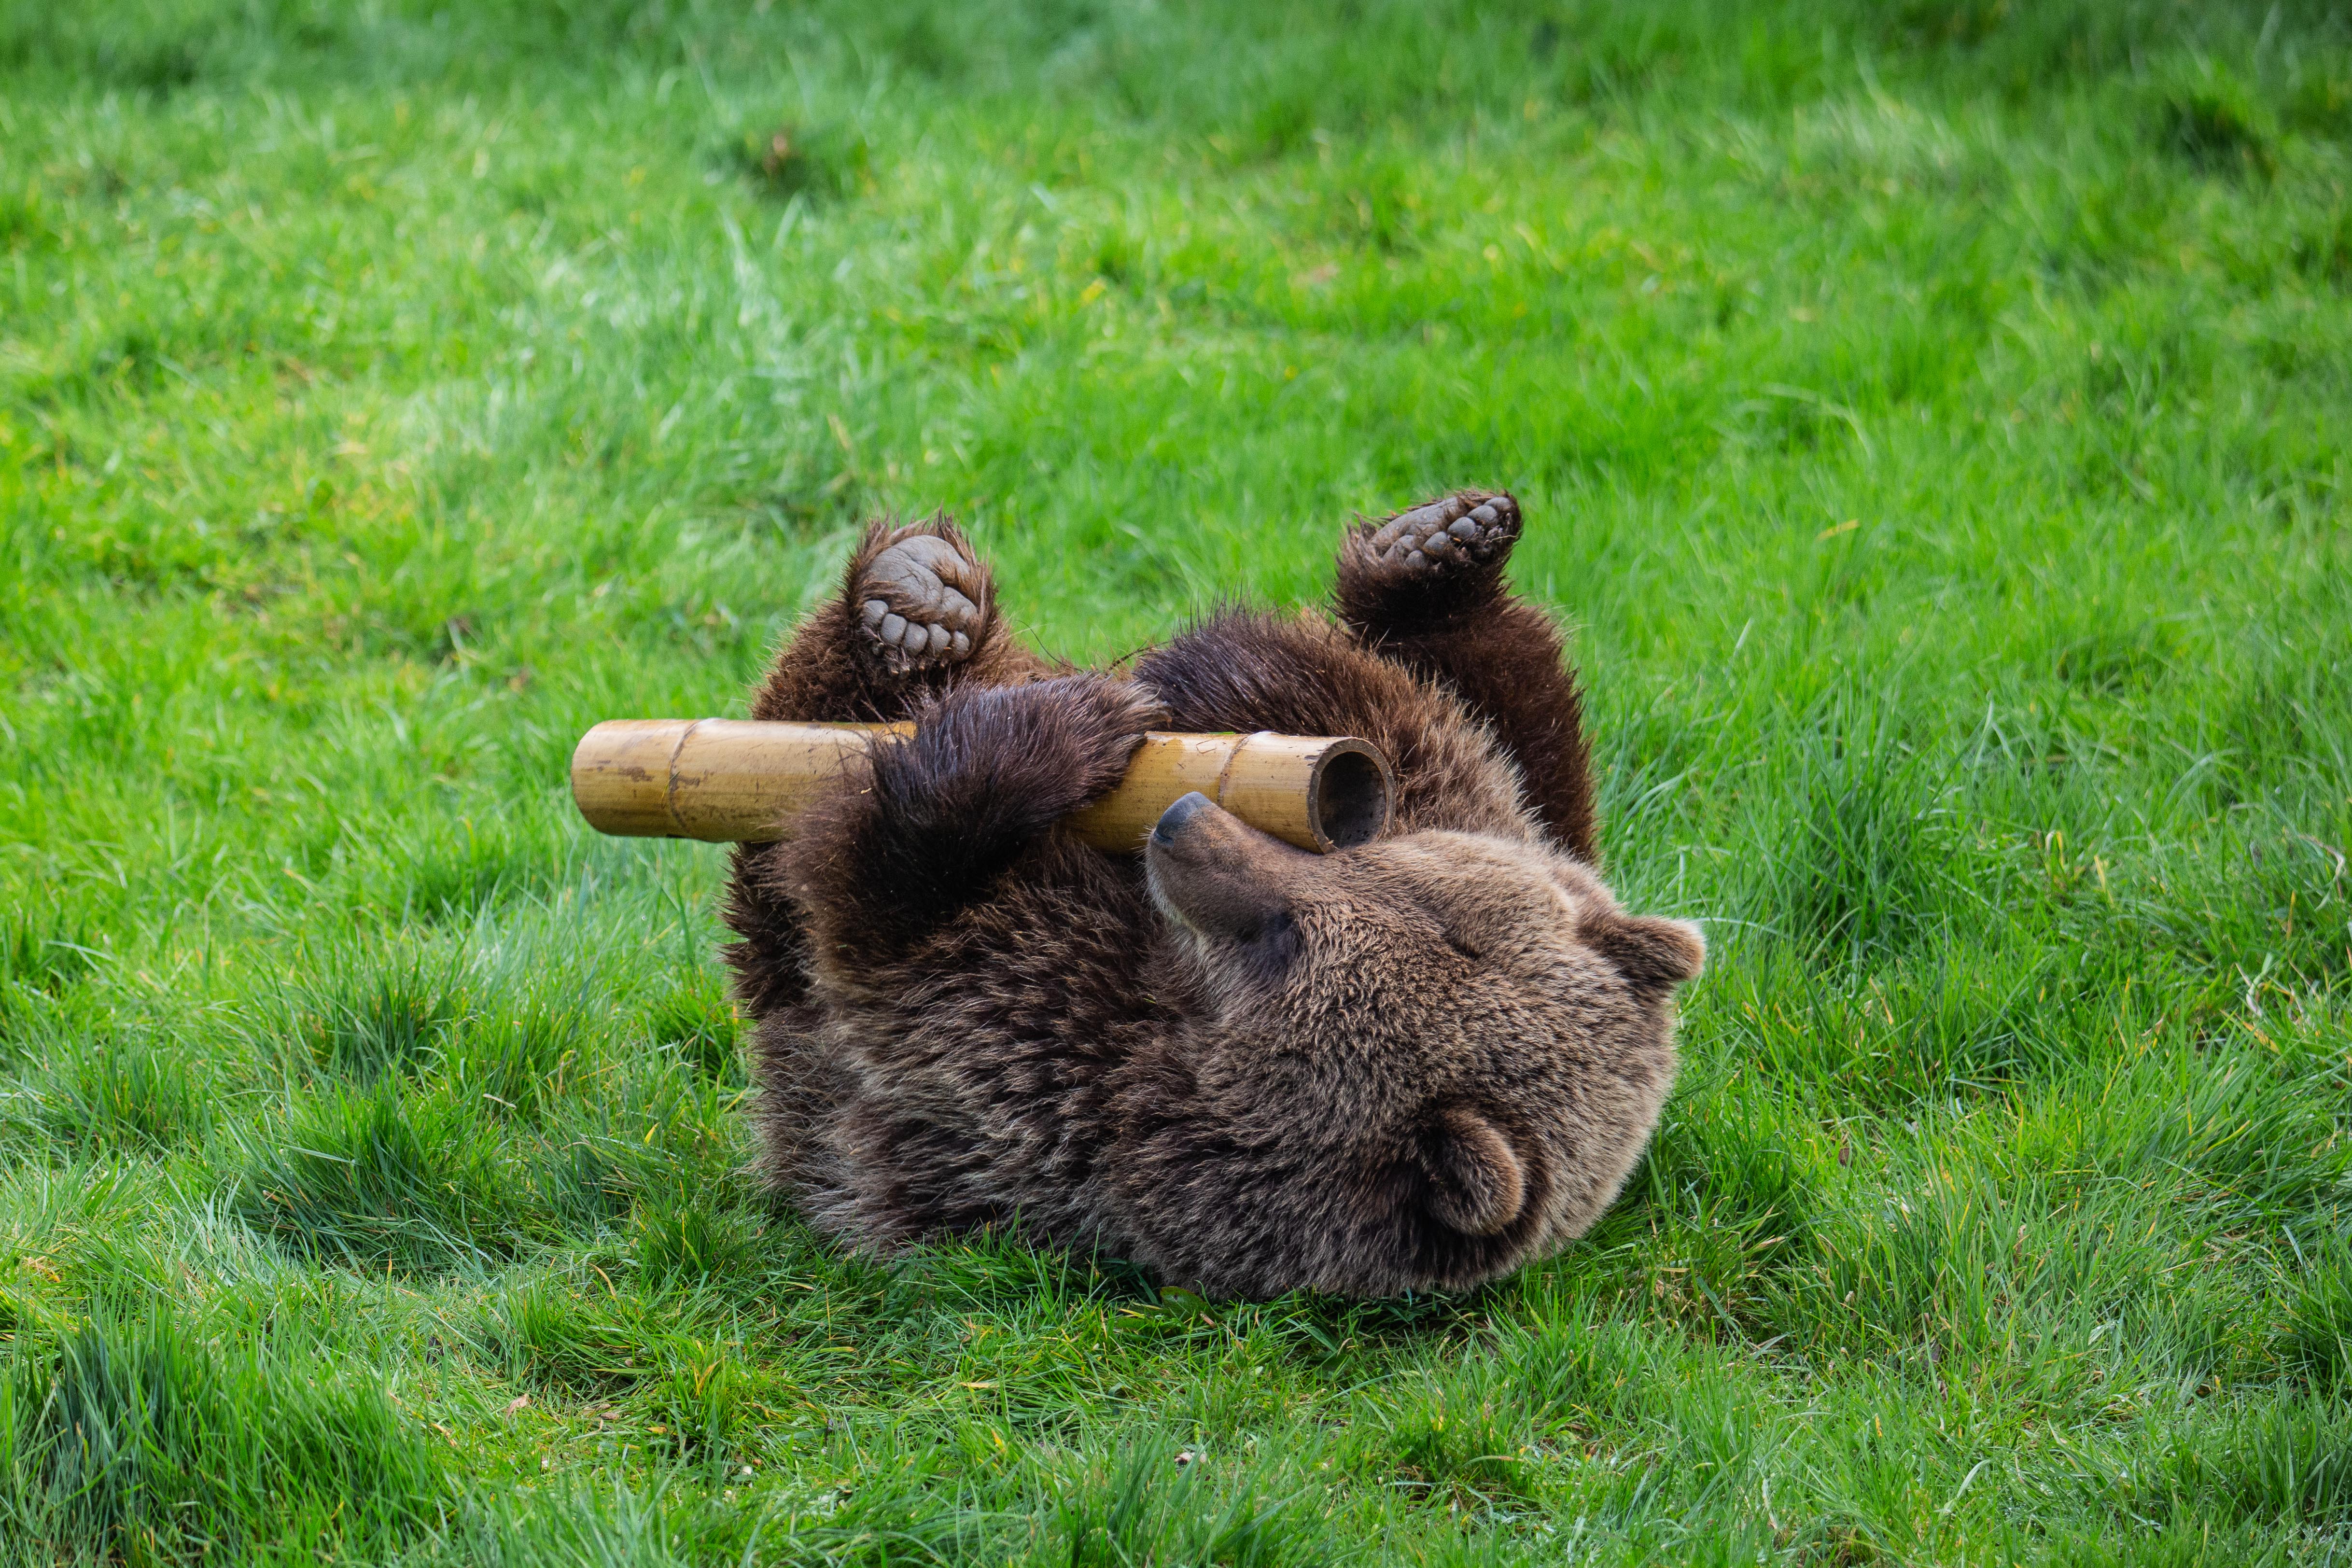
{"type": "Point", "coordinates": [917, 612]}
{"type": "Point", "coordinates": [1424, 589]}
{"type": "Point", "coordinates": [1433, 565]}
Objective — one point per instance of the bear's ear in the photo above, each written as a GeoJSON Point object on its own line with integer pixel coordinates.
{"type": "Point", "coordinates": [1477, 1185]}
{"type": "Point", "coordinates": [1650, 954]}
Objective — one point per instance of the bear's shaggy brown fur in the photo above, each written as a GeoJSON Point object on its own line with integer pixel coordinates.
{"type": "Point", "coordinates": [1413, 1065]}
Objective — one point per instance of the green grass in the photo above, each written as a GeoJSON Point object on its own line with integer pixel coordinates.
{"type": "Point", "coordinates": [1937, 418]}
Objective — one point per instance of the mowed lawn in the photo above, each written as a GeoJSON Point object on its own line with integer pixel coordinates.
{"type": "Point", "coordinates": [1935, 418]}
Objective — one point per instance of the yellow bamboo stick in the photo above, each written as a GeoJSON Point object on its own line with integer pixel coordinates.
{"type": "Point", "coordinates": [743, 781]}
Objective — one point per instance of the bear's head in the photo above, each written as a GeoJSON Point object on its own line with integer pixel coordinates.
{"type": "Point", "coordinates": [1464, 1039]}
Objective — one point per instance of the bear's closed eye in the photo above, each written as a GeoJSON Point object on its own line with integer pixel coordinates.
{"type": "Point", "coordinates": [1272, 946]}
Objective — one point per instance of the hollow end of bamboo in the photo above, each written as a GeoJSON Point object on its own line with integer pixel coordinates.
{"type": "Point", "coordinates": [1319, 792]}
{"type": "Point", "coordinates": [744, 781]}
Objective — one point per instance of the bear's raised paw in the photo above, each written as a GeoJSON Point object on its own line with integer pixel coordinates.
{"type": "Point", "coordinates": [1445, 537]}
{"type": "Point", "coordinates": [923, 602]}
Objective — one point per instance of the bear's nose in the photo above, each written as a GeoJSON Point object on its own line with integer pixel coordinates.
{"type": "Point", "coordinates": [1181, 811]}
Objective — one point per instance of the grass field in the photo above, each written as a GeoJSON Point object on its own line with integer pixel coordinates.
{"type": "Point", "coordinates": [1935, 417]}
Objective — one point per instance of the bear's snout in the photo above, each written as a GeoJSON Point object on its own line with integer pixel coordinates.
{"type": "Point", "coordinates": [1214, 872]}
{"type": "Point", "coordinates": [1173, 820]}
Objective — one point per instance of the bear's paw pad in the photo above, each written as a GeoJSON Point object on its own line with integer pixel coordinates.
{"type": "Point", "coordinates": [1447, 536]}
{"type": "Point", "coordinates": [922, 602]}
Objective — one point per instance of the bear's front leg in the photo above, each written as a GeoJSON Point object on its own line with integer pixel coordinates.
{"type": "Point", "coordinates": [915, 614]}
{"type": "Point", "coordinates": [940, 816]}
{"type": "Point", "coordinates": [1424, 588]}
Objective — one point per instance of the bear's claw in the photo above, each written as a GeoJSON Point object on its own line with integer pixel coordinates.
{"type": "Point", "coordinates": [923, 602]}
{"type": "Point", "coordinates": [1447, 536]}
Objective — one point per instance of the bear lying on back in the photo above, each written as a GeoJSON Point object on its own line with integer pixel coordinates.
{"type": "Point", "coordinates": [1414, 1065]}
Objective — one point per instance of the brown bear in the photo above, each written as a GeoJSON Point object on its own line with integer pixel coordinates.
{"type": "Point", "coordinates": [1412, 1065]}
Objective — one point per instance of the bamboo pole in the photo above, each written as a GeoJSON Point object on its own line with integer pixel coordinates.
{"type": "Point", "coordinates": [743, 781]}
